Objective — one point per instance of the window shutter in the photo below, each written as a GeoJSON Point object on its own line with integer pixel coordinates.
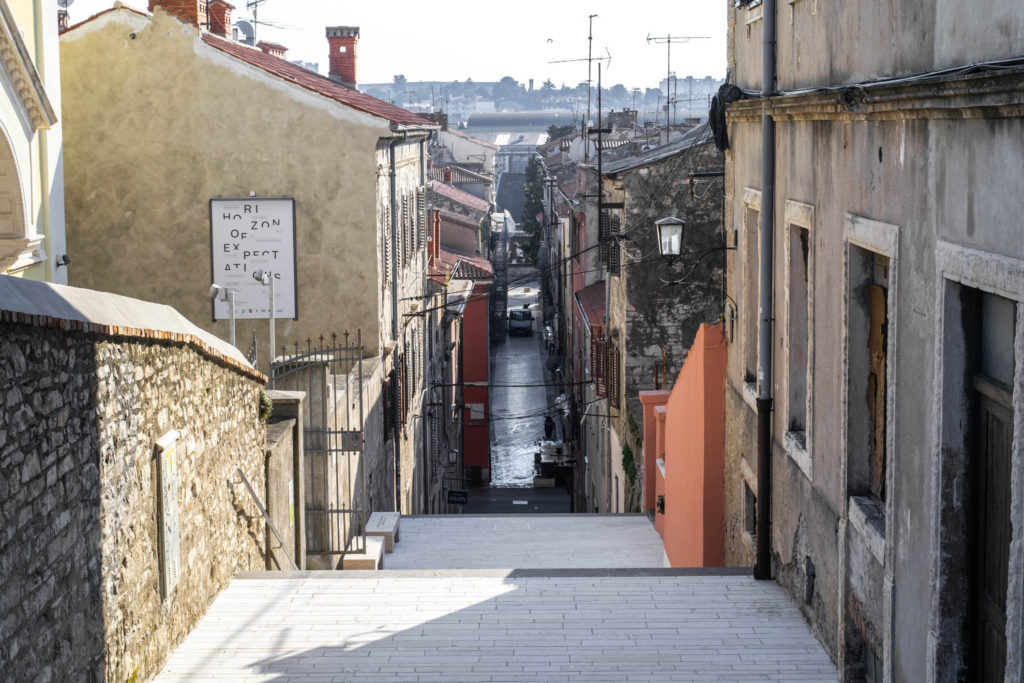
{"type": "Point", "coordinates": [421, 217]}
{"type": "Point", "coordinates": [388, 255]}
{"type": "Point", "coordinates": [613, 375]}
{"type": "Point", "coordinates": [614, 249]}
{"type": "Point", "coordinates": [405, 229]}
{"type": "Point", "coordinates": [602, 235]}
{"type": "Point", "coordinates": [598, 365]}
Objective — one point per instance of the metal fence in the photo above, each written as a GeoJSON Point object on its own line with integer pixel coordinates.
{"type": "Point", "coordinates": [330, 372]}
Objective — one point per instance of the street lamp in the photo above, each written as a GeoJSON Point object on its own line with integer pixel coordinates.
{"type": "Point", "coordinates": [264, 277]}
{"type": "Point", "coordinates": [670, 235]}
{"type": "Point", "coordinates": [224, 294]}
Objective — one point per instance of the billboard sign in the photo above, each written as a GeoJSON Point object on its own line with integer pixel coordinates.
{"type": "Point", "coordinates": [248, 234]}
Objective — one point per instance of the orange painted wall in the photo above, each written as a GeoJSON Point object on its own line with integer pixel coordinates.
{"type": "Point", "coordinates": [694, 455]}
{"type": "Point", "coordinates": [650, 400]}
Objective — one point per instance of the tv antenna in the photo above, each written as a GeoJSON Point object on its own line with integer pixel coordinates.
{"type": "Point", "coordinates": [62, 13]}
{"type": "Point", "coordinates": [590, 59]}
{"type": "Point", "coordinates": [669, 100]}
{"type": "Point", "coordinates": [253, 6]}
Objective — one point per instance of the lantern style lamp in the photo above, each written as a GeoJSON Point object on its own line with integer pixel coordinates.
{"type": "Point", "coordinates": [670, 235]}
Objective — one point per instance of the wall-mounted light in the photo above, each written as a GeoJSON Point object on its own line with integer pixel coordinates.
{"type": "Point", "coordinates": [63, 260]}
{"type": "Point", "coordinates": [670, 235]}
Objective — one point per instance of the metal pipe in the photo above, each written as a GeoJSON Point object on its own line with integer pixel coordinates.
{"type": "Point", "coordinates": [231, 300]}
{"type": "Point", "coordinates": [763, 565]}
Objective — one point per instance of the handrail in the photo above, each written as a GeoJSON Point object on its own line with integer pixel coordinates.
{"type": "Point", "coordinates": [266, 516]}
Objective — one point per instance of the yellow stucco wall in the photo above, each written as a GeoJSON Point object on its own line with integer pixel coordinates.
{"type": "Point", "coordinates": [158, 123]}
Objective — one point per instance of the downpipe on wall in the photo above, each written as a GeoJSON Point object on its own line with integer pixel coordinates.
{"type": "Point", "coordinates": [763, 562]}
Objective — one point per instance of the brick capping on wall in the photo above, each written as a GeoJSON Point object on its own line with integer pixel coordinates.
{"type": "Point", "coordinates": [52, 306]}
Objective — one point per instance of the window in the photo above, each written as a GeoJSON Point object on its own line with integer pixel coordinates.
{"type": "Point", "coordinates": [749, 283]}
{"type": "Point", "coordinates": [867, 352]}
{"type": "Point", "coordinates": [798, 340]}
{"type": "Point", "coordinates": [749, 511]}
{"type": "Point", "coordinates": [798, 329]}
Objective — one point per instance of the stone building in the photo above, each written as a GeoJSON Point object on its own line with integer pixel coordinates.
{"type": "Point", "coordinates": [656, 306]}
{"type": "Point", "coordinates": [31, 175]}
{"type": "Point", "coordinates": [896, 457]}
{"type": "Point", "coordinates": [123, 446]}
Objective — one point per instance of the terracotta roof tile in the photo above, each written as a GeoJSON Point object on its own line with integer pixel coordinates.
{"type": "Point", "coordinates": [470, 268]}
{"type": "Point", "coordinates": [317, 83]}
{"type": "Point", "coordinates": [591, 300]}
{"type": "Point", "coordinates": [461, 196]}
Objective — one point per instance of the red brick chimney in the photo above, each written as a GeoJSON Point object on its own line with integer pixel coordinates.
{"type": "Point", "coordinates": [220, 17]}
{"type": "Point", "coordinates": [273, 49]}
{"type": "Point", "coordinates": [189, 11]}
{"type": "Point", "coordinates": [342, 57]}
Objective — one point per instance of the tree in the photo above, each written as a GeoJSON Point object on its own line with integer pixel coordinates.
{"type": "Point", "coordinates": [555, 131]}
{"type": "Point", "coordinates": [399, 80]}
{"type": "Point", "coordinates": [547, 85]}
{"type": "Point", "coordinates": [533, 204]}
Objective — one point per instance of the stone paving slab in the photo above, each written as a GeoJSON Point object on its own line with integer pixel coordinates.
{"type": "Point", "coordinates": [400, 626]}
{"type": "Point", "coordinates": [527, 541]}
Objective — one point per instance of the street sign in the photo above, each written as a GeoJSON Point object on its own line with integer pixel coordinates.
{"type": "Point", "coordinates": [458, 497]}
{"type": "Point", "coordinates": [249, 234]}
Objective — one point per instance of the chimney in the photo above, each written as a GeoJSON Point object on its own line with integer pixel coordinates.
{"type": "Point", "coordinates": [342, 56]}
{"type": "Point", "coordinates": [273, 49]}
{"type": "Point", "coordinates": [220, 17]}
{"type": "Point", "coordinates": [189, 11]}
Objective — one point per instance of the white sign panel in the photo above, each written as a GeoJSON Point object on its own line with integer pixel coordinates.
{"type": "Point", "coordinates": [167, 502]}
{"type": "Point", "coordinates": [246, 235]}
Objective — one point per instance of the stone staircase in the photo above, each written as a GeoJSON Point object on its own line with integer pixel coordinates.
{"type": "Point", "coordinates": [497, 598]}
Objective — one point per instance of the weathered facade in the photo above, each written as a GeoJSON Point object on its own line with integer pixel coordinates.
{"type": "Point", "coordinates": [896, 460]}
{"type": "Point", "coordinates": [656, 306]}
{"type": "Point", "coordinates": [141, 170]}
{"type": "Point", "coordinates": [93, 383]}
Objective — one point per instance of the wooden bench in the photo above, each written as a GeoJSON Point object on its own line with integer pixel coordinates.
{"type": "Point", "coordinates": [373, 558]}
{"type": "Point", "coordinates": [384, 524]}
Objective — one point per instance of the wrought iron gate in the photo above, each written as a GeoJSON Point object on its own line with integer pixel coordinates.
{"type": "Point", "coordinates": [331, 374]}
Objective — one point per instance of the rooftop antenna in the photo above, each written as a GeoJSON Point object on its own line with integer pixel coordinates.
{"type": "Point", "coordinates": [253, 6]}
{"type": "Point", "coordinates": [669, 100]}
{"type": "Point", "coordinates": [590, 59]}
{"type": "Point", "coordinates": [62, 13]}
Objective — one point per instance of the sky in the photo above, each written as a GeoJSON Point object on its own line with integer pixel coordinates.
{"type": "Point", "coordinates": [485, 41]}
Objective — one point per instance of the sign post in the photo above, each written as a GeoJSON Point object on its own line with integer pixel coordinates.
{"type": "Point", "coordinates": [249, 234]}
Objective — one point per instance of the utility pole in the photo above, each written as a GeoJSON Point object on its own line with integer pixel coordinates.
{"type": "Point", "coordinates": [669, 100]}
{"type": "Point", "coordinates": [253, 5]}
{"type": "Point", "coordinates": [590, 59]}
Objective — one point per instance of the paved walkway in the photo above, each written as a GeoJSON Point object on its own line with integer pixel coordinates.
{"type": "Point", "coordinates": [387, 626]}
{"type": "Point", "coordinates": [458, 621]}
{"type": "Point", "coordinates": [526, 541]}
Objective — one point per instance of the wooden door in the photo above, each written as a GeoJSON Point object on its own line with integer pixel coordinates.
{"type": "Point", "coordinates": [992, 529]}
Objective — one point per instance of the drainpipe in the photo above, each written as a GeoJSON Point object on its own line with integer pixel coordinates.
{"type": "Point", "coordinates": [392, 176]}
{"type": "Point", "coordinates": [763, 565]}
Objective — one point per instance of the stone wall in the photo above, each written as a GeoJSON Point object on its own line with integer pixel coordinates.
{"type": "Point", "coordinates": [79, 557]}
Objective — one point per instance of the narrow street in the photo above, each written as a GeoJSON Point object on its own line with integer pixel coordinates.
{"type": "Point", "coordinates": [520, 399]}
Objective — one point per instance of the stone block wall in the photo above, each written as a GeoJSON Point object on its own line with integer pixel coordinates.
{"type": "Point", "coordinates": [79, 558]}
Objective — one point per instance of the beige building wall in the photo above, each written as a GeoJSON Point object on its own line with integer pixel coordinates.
{"type": "Point", "coordinates": [159, 122]}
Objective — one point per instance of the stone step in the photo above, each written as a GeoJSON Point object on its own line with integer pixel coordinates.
{"type": "Point", "coordinates": [386, 525]}
{"type": "Point", "coordinates": [373, 558]}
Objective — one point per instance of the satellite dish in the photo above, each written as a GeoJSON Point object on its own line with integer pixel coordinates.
{"type": "Point", "coordinates": [244, 27]}
{"type": "Point", "coordinates": [64, 4]}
